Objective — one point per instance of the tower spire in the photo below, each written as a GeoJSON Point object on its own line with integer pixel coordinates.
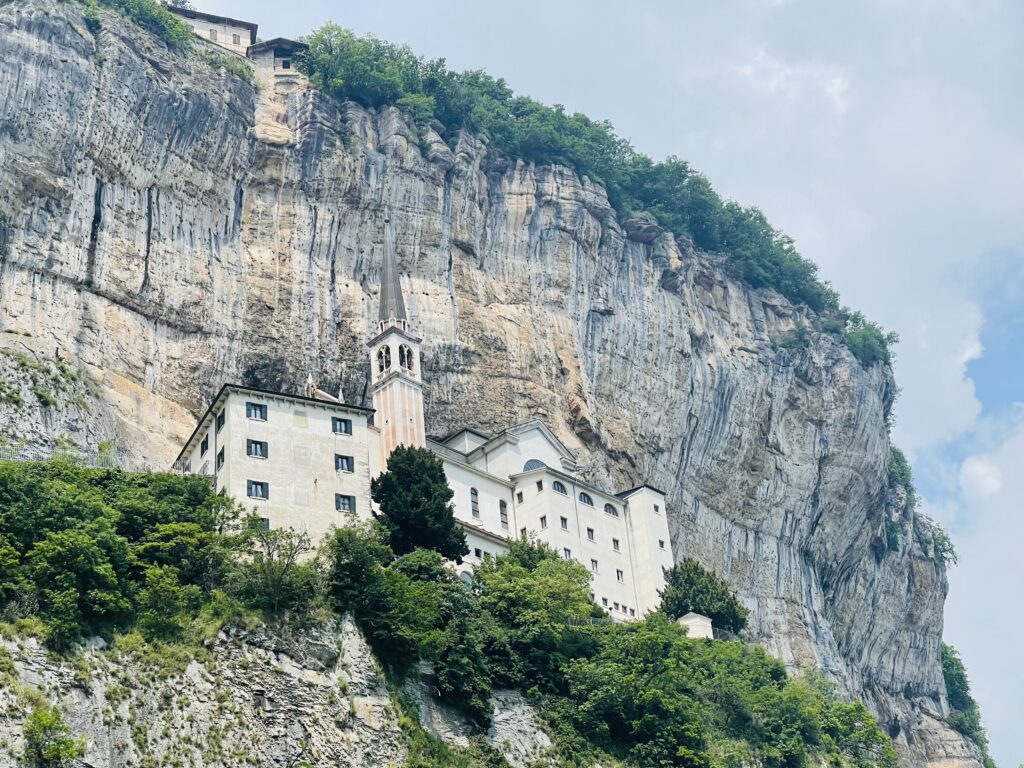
{"type": "Point", "coordinates": [392, 305]}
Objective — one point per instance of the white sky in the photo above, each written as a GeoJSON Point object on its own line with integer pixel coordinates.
{"type": "Point", "coordinates": [885, 136]}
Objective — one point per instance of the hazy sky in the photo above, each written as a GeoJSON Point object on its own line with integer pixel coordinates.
{"type": "Point", "coordinates": [885, 136]}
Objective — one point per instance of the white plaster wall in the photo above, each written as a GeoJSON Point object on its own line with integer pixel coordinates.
{"type": "Point", "coordinates": [225, 34]}
{"type": "Point", "coordinates": [650, 545]}
{"type": "Point", "coordinates": [300, 464]}
{"type": "Point", "coordinates": [491, 492]}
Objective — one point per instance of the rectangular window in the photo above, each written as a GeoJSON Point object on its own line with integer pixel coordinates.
{"type": "Point", "coordinates": [565, 523]}
{"type": "Point", "coordinates": [344, 503]}
{"type": "Point", "coordinates": [593, 565]}
{"type": "Point", "coordinates": [258, 489]}
{"type": "Point", "coordinates": [236, 39]}
{"type": "Point", "coordinates": [616, 606]}
{"type": "Point", "coordinates": [620, 576]}
{"type": "Point", "coordinates": [543, 522]}
{"type": "Point", "coordinates": [604, 601]}
{"type": "Point", "coordinates": [265, 522]}
{"type": "Point", "coordinates": [220, 458]}
{"type": "Point", "coordinates": [590, 534]}
{"type": "Point", "coordinates": [661, 543]}
{"type": "Point", "coordinates": [615, 544]}
{"type": "Point", "coordinates": [286, 64]}
{"type": "Point", "coordinates": [213, 34]}
{"type": "Point", "coordinates": [567, 553]}
{"type": "Point", "coordinates": [657, 509]}
{"type": "Point", "coordinates": [540, 485]}
{"type": "Point", "coordinates": [256, 448]}
{"type": "Point", "coordinates": [522, 533]}
{"type": "Point", "coordinates": [344, 463]}
{"type": "Point", "coordinates": [341, 426]}
{"type": "Point", "coordinates": [204, 446]}
{"type": "Point", "coordinates": [474, 501]}
{"type": "Point", "coordinates": [220, 420]}
{"type": "Point", "coordinates": [503, 515]}
{"type": "Point", "coordinates": [478, 553]}
{"type": "Point", "coordinates": [519, 496]}
{"type": "Point", "coordinates": [256, 411]}
{"type": "Point", "coordinates": [632, 611]}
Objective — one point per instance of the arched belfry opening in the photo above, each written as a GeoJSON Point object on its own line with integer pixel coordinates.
{"type": "Point", "coordinates": [406, 357]}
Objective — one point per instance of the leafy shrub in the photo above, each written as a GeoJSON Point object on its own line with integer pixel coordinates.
{"type": "Point", "coordinates": [900, 474]}
{"type": "Point", "coordinates": [964, 715]}
{"type": "Point", "coordinates": [868, 342]}
{"type": "Point", "coordinates": [148, 14]}
{"type": "Point", "coordinates": [49, 742]}
{"type": "Point", "coordinates": [691, 587]}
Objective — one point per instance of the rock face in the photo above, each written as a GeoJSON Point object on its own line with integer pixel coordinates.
{"type": "Point", "coordinates": [257, 698]}
{"type": "Point", "coordinates": [168, 227]}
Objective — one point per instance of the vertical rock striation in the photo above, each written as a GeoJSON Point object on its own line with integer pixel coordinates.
{"type": "Point", "coordinates": [169, 227]}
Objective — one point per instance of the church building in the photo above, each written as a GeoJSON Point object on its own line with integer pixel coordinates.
{"type": "Point", "coordinates": [306, 462]}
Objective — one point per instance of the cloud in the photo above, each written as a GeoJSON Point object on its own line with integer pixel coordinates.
{"type": "Point", "coordinates": [980, 477]}
{"type": "Point", "coordinates": [983, 616]}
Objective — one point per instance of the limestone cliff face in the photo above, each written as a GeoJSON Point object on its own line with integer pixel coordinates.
{"type": "Point", "coordinates": [167, 227]}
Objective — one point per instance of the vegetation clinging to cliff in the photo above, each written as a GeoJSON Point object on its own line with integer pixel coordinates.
{"type": "Point", "coordinates": [964, 714]}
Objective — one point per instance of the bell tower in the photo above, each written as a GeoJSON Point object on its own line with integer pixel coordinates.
{"type": "Point", "coordinates": [395, 365]}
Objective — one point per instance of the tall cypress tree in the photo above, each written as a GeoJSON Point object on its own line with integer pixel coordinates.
{"type": "Point", "coordinates": [415, 507]}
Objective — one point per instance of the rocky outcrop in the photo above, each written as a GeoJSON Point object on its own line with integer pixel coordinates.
{"type": "Point", "coordinates": [167, 227]}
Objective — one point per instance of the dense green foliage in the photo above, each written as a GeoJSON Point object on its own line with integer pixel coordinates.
{"type": "Point", "coordinates": [49, 742]}
{"type": "Point", "coordinates": [964, 714]}
{"type": "Point", "coordinates": [415, 504]}
{"type": "Point", "coordinates": [901, 475]}
{"type": "Point", "coordinates": [641, 692]}
{"type": "Point", "coordinates": [691, 587]}
{"type": "Point", "coordinates": [100, 551]}
{"type": "Point", "coordinates": [96, 551]}
{"type": "Point", "coordinates": [148, 14]}
{"type": "Point", "coordinates": [656, 699]}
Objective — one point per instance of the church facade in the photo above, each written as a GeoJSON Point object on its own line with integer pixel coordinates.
{"type": "Point", "coordinates": [306, 462]}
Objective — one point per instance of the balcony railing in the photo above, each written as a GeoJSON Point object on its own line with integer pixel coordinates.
{"type": "Point", "coordinates": [96, 459]}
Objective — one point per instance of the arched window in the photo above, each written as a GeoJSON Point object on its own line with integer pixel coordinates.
{"type": "Point", "coordinates": [611, 510]}
{"type": "Point", "coordinates": [559, 488]}
{"type": "Point", "coordinates": [474, 501]}
{"type": "Point", "coordinates": [503, 513]}
{"type": "Point", "coordinates": [585, 499]}
{"type": "Point", "coordinates": [466, 578]}
{"type": "Point", "coordinates": [533, 464]}
{"type": "Point", "coordinates": [405, 357]}
{"type": "Point", "coordinates": [384, 359]}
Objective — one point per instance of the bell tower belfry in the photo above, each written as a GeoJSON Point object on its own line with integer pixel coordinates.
{"type": "Point", "coordinates": [395, 365]}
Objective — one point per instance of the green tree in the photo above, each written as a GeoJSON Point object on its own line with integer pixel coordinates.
{"type": "Point", "coordinates": [544, 604]}
{"type": "Point", "coordinates": [415, 504]}
{"type": "Point", "coordinates": [82, 578]}
{"type": "Point", "coordinates": [691, 587]}
{"type": "Point", "coordinates": [964, 714]}
{"type": "Point", "coordinates": [165, 603]}
{"type": "Point", "coordinates": [49, 742]}
{"type": "Point", "coordinates": [272, 577]}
